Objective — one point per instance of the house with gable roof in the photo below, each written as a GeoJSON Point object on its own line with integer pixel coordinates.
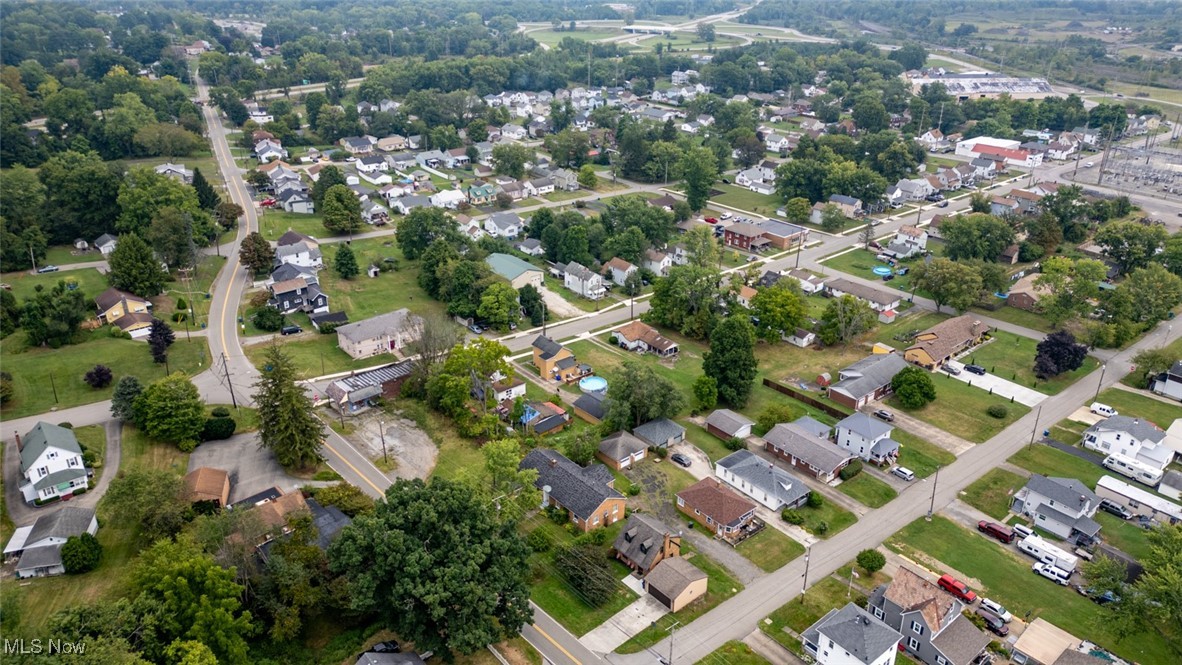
{"type": "Point", "coordinates": [39, 545]}
{"type": "Point", "coordinates": [943, 341]}
{"type": "Point", "coordinates": [644, 542]}
{"type": "Point", "coordinates": [619, 270]}
{"type": "Point", "coordinates": [1135, 438]}
{"type": "Point", "coordinates": [1062, 506]}
{"type": "Point", "coordinates": [851, 635]}
{"type": "Point", "coordinates": [720, 509]}
{"type": "Point", "coordinates": [588, 493]}
{"type": "Point", "coordinates": [726, 424]}
{"type": "Point", "coordinates": [867, 380]}
{"type": "Point", "coordinates": [384, 333]}
{"type": "Point", "coordinates": [643, 338]}
{"type": "Point", "coordinates": [676, 582]}
{"type": "Point", "coordinates": [934, 630]}
{"type": "Point", "coordinates": [583, 281]}
{"type": "Point", "coordinates": [660, 433]}
{"type": "Point", "coordinates": [764, 482]}
{"type": "Point", "coordinates": [806, 451]}
{"type": "Point", "coordinates": [51, 463]}
{"type": "Point", "coordinates": [868, 438]}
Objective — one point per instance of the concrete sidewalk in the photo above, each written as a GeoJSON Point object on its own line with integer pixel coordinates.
{"type": "Point", "coordinates": [623, 625]}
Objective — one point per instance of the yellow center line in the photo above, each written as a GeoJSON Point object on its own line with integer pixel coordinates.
{"type": "Point", "coordinates": [546, 635]}
{"type": "Point", "coordinates": [355, 469]}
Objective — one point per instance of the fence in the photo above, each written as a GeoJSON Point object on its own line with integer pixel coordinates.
{"type": "Point", "coordinates": [811, 401]}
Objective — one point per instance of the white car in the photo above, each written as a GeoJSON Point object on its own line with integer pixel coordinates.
{"type": "Point", "coordinates": [1052, 573]}
{"type": "Point", "coordinates": [998, 609]}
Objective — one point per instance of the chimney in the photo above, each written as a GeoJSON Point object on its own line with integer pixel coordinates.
{"type": "Point", "coordinates": [553, 462]}
{"type": "Point", "coordinates": [545, 495]}
{"type": "Point", "coordinates": [19, 446]}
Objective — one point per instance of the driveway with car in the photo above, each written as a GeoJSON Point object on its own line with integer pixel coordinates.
{"type": "Point", "coordinates": [999, 386]}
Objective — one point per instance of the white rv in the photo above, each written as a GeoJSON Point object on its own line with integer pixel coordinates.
{"type": "Point", "coordinates": [1138, 471]}
{"type": "Point", "coordinates": [1045, 552]}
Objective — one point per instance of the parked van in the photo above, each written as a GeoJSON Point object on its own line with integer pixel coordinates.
{"type": "Point", "coordinates": [1138, 471]}
{"type": "Point", "coordinates": [904, 473]}
{"type": "Point", "coordinates": [1048, 553]}
{"type": "Point", "coordinates": [1022, 531]}
{"type": "Point", "coordinates": [998, 609]}
{"type": "Point", "coordinates": [999, 531]}
{"type": "Point", "coordinates": [1102, 410]}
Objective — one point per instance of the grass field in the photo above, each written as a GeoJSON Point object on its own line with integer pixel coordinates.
{"type": "Point", "coordinates": [960, 409]}
{"type": "Point", "coordinates": [1018, 317]}
{"type": "Point", "coordinates": [1139, 406]}
{"type": "Point", "coordinates": [1011, 356]}
{"type": "Point", "coordinates": [94, 439]}
{"type": "Point", "coordinates": [682, 372]}
{"type": "Point", "coordinates": [770, 549]}
{"type": "Point", "coordinates": [745, 199]}
{"type": "Point", "coordinates": [705, 441]}
{"type": "Point", "coordinates": [1050, 462]}
{"type": "Point", "coordinates": [274, 223]}
{"type": "Point", "coordinates": [868, 490]}
{"type": "Point", "coordinates": [315, 355]}
{"type": "Point", "coordinates": [993, 492]}
{"type": "Point", "coordinates": [919, 455]}
{"type": "Point", "coordinates": [24, 285]}
{"type": "Point", "coordinates": [835, 518]}
{"type": "Point", "coordinates": [553, 38]}
{"type": "Point", "coordinates": [800, 613]}
{"type": "Point", "coordinates": [1124, 536]}
{"type": "Point", "coordinates": [915, 322]}
{"type": "Point", "coordinates": [1000, 572]}
{"type": "Point", "coordinates": [40, 373]}
{"type": "Point", "coordinates": [861, 262]}
{"type": "Point", "coordinates": [734, 653]}
{"type": "Point", "coordinates": [362, 296]}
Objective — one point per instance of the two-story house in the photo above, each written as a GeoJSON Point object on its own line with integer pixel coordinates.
{"type": "Point", "coordinates": [583, 281]}
{"type": "Point", "coordinates": [555, 361]}
{"type": "Point", "coordinates": [385, 333]}
{"type": "Point", "coordinates": [765, 483]}
{"type": "Point", "coordinates": [299, 294]}
{"type": "Point", "coordinates": [744, 236]}
{"type": "Point", "coordinates": [506, 225]}
{"type": "Point", "coordinates": [1167, 384]}
{"type": "Point", "coordinates": [482, 194]}
{"type": "Point", "coordinates": [300, 254]}
{"type": "Point", "coordinates": [806, 451]}
{"type": "Point", "coordinates": [618, 270]}
{"type": "Point", "coordinates": [1130, 437]}
{"type": "Point", "coordinates": [868, 438]}
{"type": "Point", "coordinates": [851, 636]}
{"type": "Point", "coordinates": [51, 463]}
{"type": "Point", "coordinates": [588, 494]}
{"type": "Point", "coordinates": [657, 262]}
{"type": "Point", "coordinates": [929, 619]}
{"type": "Point", "coordinates": [1062, 506]}
{"type": "Point", "coordinates": [644, 542]}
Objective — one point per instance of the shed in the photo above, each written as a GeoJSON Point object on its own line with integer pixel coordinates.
{"type": "Point", "coordinates": [208, 484]}
{"type": "Point", "coordinates": [726, 424]}
{"type": "Point", "coordinates": [661, 432]}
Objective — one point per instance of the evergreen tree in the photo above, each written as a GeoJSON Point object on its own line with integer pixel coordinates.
{"type": "Point", "coordinates": [160, 337]}
{"type": "Point", "coordinates": [346, 263]}
{"type": "Point", "coordinates": [171, 410]}
{"type": "Point", "coordinates": [287, 425]}
{"type": "Point", "coordinates": [123, 400]}
{"type": "Point", "coordinates": [135, 268]}
{"type": "Point", "coordinates": [207, 196]}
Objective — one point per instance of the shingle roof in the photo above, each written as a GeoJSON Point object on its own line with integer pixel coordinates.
{"type": "Point", "coordinates": [112, 296]}
{"type": "Point", "coordinates": [40, 557]}
{"type": "Point", "coordinates": [672, 576]}
{"type": "Point", "coordinates": [658, 432]}
{"type": "Point", "coordinates": [42, 436]}
{"type": "Point", "coordinates": [797, 442]}
{"type": "Point", "coordinates": [291, 238]}
{"type": "Point", "coordinates": [961, 641]}
{"type": "Point", "coordinates": [764, 478]}
{"type": "Point", "coordinates": [813, 426]}
{"type": "Point", "coordinates": [728, 421]}
{"type": "Point", "coordinates": [621, 445]}
{"type": "Point", "coordinates": [861, 291]}
{"type": "Point", "coordinates": [857, 632]}
{"type": "Point", "coordinates": [579, 271]}
{"type": "Point", "coordinates": [869, 374]}
{"type": "Point", "coordinates": [391, 323]}
{"type": "Point", "coordinates": [641, 539]}
{"type": "Point", "coordinates": [207, 484]}
{"type": "Point", "coordinates": [863, 425]}
{"type": "Point", "coordinates": [716, 501]}
{"type": "Point", "coordinates": [911, 592]}
{"type": "Point", "coordinates": [1064, 491]}
{"type": "Point", "coordinates": [66, 522]}
{"type": "Point", "coordinates": [126, 321]}
{"type": "Point", "coordinates": [547, 346]}
{"type": "Point", "coordinates": [579, 490]}
{"type": "Point", "coordinates": [592, 404]}
{"type": "Point", "coordinates": [949, 336]}
{"type": "Point", "coordinates": [639, 330]}
{"type": "Point", "coordinates": [1138, 428]}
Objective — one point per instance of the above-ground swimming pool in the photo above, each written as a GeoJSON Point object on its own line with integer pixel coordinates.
{"type": "Point", "coordinates": [593, 384]}
{"type": "Point", "coordinates": [882, 271]}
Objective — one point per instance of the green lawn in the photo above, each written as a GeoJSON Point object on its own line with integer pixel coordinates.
{"type": "Point", "coordinates": [195, 290]}
{"type": "Point", "coordinates": [140, 452]}
{"type": "Point", "coordinates": [802, 612]}
{"type": "Point", "coordinates": [835, 518]}
{"type": "Point", "coordinates": [563, 195]}
{"type": "Point", "coordinates": [1011, 356]}
{"type": "Point", "coordinates": [860, 262]}
{"type": "Point", "coordinates": [1160, 413]}
{"type": "Point", "coordinates": [1001, 573]}
{"type": "Point", "coordinates": [745, 199]}
{"type": "Point", "coordinates": [1068, 431]}
{"type": "Point", "coordinates": [553, 38]}
{"type": "Point", "coordinates": [993, 492]}
{"type": "Point", "coordinates": [719, 587]}
{"type": "Point", "coordinates": [1050, 462]}
{"type": "Point", "coordinates": [94, 439]}
{"type": "Point", "coordinates": [919, 455]}
{"type": "Point", "coordinates": [274, 223]}
{"type": "Point", "coordinates": [573, 298]}
{"type": "Point", "coordinates": [705, 441]}
{"type": "Point", "coordinates": [1124, 536]}
{"type": "Point", "coordinates": [682, 372]}
{"type": "Point", "coordinates": [456, 454]}
{"type": "Point", "coordinates": [770, 549]}
{"type": "Point", "coordinates": [733, 653]}
{"type": "Point", "coordinates": [904, 326]}
{"type": "Point", "coordinates": [61, 255]}
{"type": "Point", "coordinates": [363, 297]}
{"type": "Point", "coordinates": [960, 409]}
{"type": "Point", "coordinates": [38, 373]}
{"type": "Point", "coordinates": [24, 285]}
{"type": "Point", "coordinates": [315, 355]}
{"type": "Point", "coordinates": [1018, 317]}
{"type": "Point", "coordinates": [868, 490]}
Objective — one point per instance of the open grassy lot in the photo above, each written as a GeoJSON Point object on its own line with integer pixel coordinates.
{"type": "Point", "coordinates": [861, 262]}
{"type": "Point", "coordinates": [1000, 572]}
{"type": "Point", "coordinates": [1018, 317]}
{"type": "Point", "coordinates": [800, 613]}
{"type": "Point", "coordinates": [1124, 536]}
{"type": "Point", "coordinates": [38, 373]}
{"type": "Point", "coordinates": [733, 653]}
{"type": "Point", "coordinates": [1051, 462]}
{"type": "Point", "coordinates": [274, 223]}
{"type": "Point", "coordinates": [960, 409]}
{"type": "Point", "coordinates": [903, 326]}
{"type": "Point", "coordinates": [868, 490]}
{"type": "Point", "coordinates": [1160, 413]}
{"type": "Point", "coordinates": [195, 288]}
{"type": "Point", "coordinates": [554, 37]}
{"type": "Point", "coordinates": [834, 517]}
{"type": "Point", "coordinates": [719, 586]}
{"type": "Point", "coordinates": [363, 297]}
{"type": "Point", "coordinates": [919, 455]}
{"type": "Point", "coordinates": [1068, 431]}
{"type": "Point", "coordinates": [689, 41]}
{"type": "Point", "coordinates": [745, 199]}
{"type": "Point", "coordinates": [770, 549]}
{"type": "Point", "coordinates": [315, 355]}
{"type": "Point", "coordinates": [682, 372]}
{"type": "Point", "coordinates": [24, 285]}
{"type": "Point", "coordinates": [93, 439]}
{"type": "Point", "coordinates": [993, 492]}
{"type": "Point", "coordinates": [1011, 356]}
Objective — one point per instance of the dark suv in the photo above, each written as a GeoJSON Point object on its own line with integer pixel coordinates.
{"type": "Point", "coordinates": [291, 330]}
{"type": "Point", "coordinates": [975, 369]}
{"type": "Point", "coordinates": [1113, 508]}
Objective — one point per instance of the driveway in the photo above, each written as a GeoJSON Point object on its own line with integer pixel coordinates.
{"type": "Point", "coordinates": [558, 305]}
{"type": "Point", "coordinates": [999, 386]}
{"type": "Point", "coordinates": [950, 442]}
{"type": "Point", "coordinates": [252, 469]}
{"type": "Point", "coordinates": [625, 624]}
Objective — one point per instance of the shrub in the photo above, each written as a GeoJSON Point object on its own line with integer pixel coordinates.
{"type": "Point", "coordinates": [997, 411]}
{"type": "Point", "coordinates": [220, 412]}
{"type": "Point", "coordinates": [822, 528]}
{"type": "Point", "coordinates": [66, 424]}
{"type": "Point", "coordinates": [7, 390]}
{"type": "Point", "coordinates": [187, 446]}
{"type": "Point", "coordinates": [871, 560]}
{"type": "Point", "coordinates": [854, 468]}
{"type": "Point", "coordinates": [537, 541]}
{"type": "Point", "coordinates": [81, 553]}
{"type": "Point", "coordinates": [633, 490]}
{"type": "Point", "coordinates": [348, 498]}
{"type": "Point", "coordinates": [181, 305]}
{"type": "Point", "coordinates": [792, 516]}
{"type": "Point", "coordinates": [327, 328]}
{"type": "Point", "coordinates": [268, 319]}
{"type": "Point", "coordinates": [217, 429]}
{"type": "Point", "coordinates": [557, 515]}
{"type": "Point", "coordinates": [734, 443]}
{"type": "Point", "coordinates": [99, 376]}
{"type": "Point", "coordinates": [815, 500]}
{"type": "Point", "coordinates": [775, 414]}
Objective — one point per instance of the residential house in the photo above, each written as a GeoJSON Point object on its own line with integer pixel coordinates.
{"type": "Point", "coordinates": [868, 438]}
{"type": "Point", "coordinates": [506, 225]}
{"type": "Point", "coordinates": [913, 236]}
{"type": "Point", "coordinates": [351, 393]}
{"type": "Point", "coordinates": [295, 201]}
{"type": "Point", "coordinates": [539, 186]}
{"type": "Point", "coordinates": [1169, 382]}
{"type": "Point", "coordinates": [209, 486]}
{"type": "Point", "coordinates": [676, 582]}
{"type": "Point", "coordinates": [301, 294]}
{"type": "Point", "coordinates": [552, 359]}
{"type": "Point", "coordinates": [943, 341]}
{"type": "Point", "coordinates": [587, 493]}
{"type": "Point", "coordinates": [376, 178]}
{"type": "Point", "coordinates": [1138, 501]}
{"type": "Point", "coordinates": [1130, 437]}
{"type": "Point", "coordinates": [867, 380]}
{"type": "Point", "coordinates": [657, 262]}
{"type": "Point", "coordinates": [660, 433]}
{"type": "Point", "coordinates": [745, 295]}
{"type": "Point", "coordinates": [431, 159]}
{"type": "Point", "coordinates": [176, 172]}
{"type": "Point", "coordinates": [723, 511]}
{"type": "Point", "coordinates": [850, 206]}
{"type": "Point", "coordinates": [1025, 294]}
{"type": "Point", "coordinates": [640, 337]}
{"type": "Point", "coordinates": [51, 463]}
{"type": "Point", "coordinates": [1002, 206]}
{"type": "Point", "coordinates": [371, 164]}
{"type": "Point", "coordinates": [1044, 643]}
{"type": "Point", "coordinates": [393, 143]}
{"type": "Point", "coordinates": [405, 204]}
{"type": "Point", "coordinates": [745, 236]}
{"type": "Point", "coordinates": [106, 244]}
{"type": "Point", "coordinates": [764, 482]}
{"type": "Point", "coordinates": [1171, 485]}
{"type": "Point", "coordinates": [448, 198]}
{"type": "Point", "coordinates": [807, 452]}
{"type": "Point", "coordinates": [644, 542]}
{"type": "Point", "coordinates": [984, 169]}
{"type": "Point", "coordinates": [269, 151]}
{"type": "Point", "coordinates": [384, 333]}
{"type": "Point", "coordinates": [778, 143]}
{"type": "Point", "coordinates": [591, 407]}
{"type": "Point", "coordinates": [764, 188]}
{"type": "Point", "coordinates": [621, 450]}
{"type": "Point", "coordinates": [357, 146]}
{"type": "Point", "coordinates": [879, 300]}
{"type": "Point", "coordinates": [127, 311]}
{"type": "Point", "coordinates": [665, 202]}
{"type": "Point", "coordinates": [542, 418]}
{"type": "Point", "coordinates": [565, 180]}
{"type": "Point", "coordinates": [679, 77]}
{"type": "Point", "coordinates": [456, 158]}
{"type": "Point", "coordinates": [513, 132]}
{"type": "Point", "coordinates": [851, 635]}
{"type": "Point", "coordinates": [726, 424]}
{"type": "Point", "coordinates": [292, 238]}
{"type": "Point", "coordinates": [619, 270]}
{"type": "Point", "coordinates": [518, 272]}
{"type": "Point", "coordinates": [372, 213]}
{"type": "Point", "coordinates": [810, 283]}
{"type": "Point", "coordinates": [747, 176]}
{"type": "Point", "coordinates": [767, 169]}
{"type": "Point", "coordinates": [530, 247]}
{"type": "Point", "coordinates": [39, 545]}
{"type": "Point", "coordinates": [1062, 506]}
{"type": "Point", "coordinates": [934, 630]}
{"type": "Point", "coordinates": [300, 254]}
{"type": "Point", "coordinates": [482, 194]}
{"type": "Point", "coordinates": [583, 281]}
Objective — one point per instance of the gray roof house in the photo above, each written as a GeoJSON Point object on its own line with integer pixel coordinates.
{"type": "Point", "coordinates": [384, 333]}
{"type": "Point", "coordinates": [867, 380]}
{"type": "Point", "coordinates": [1063, 506]}
{"type": "Point", "coordinates": [851, 632]}
{"type": "Point", "coordinates": [644, 542]}
{"type": "Point", "coordinates": [621, 450]}
{"type": "Point", "coordinates": [814, 427]}
{"type": "Point", "coordinates": [805, 451]}
{"type": "Point", "coordinates": [588, 493]}
{"type": "Point", "coordinates": [591, 407]}
{"type": "Point", "coordinates": [1135, 438]}
{"type": "Point", "coordinates": [868, 438]}
{"type": "Point", "coordinates": [761, 480]}
{"type": "Point", "coordinates": [661, 432]}
{"type": "Point", "coordinates": [934, 630]}
{"type": "Point", "coordinates": [724, 424]}
{"type": "Point", "coordinates": [39, 545]}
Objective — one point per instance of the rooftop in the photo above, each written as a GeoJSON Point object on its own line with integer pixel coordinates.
{"type": "Point", "coordinates": [389, 324]}
{"type": "Point", "coordinates": [508, 266]}
{"type": "Point", "coordinates": [801, 444]}
{"type": "Point", "coordinates": [578, 489]}
{"type": "Point", "coordinates": [717, 501]}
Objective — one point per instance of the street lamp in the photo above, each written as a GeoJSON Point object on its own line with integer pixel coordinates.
{"type": "Point", "coordinates": [1100, 383]}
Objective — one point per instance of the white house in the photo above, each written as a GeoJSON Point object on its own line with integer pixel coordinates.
{"type": "Point", "coordinates": [1062, 506]}
{"type": "Point", "coordinates": [851, 636]}
{"type": "Point", "coordinates": [51, 463]}
{"type": "Point", "coordinates": [657, 262]}
{"type": "Point", "coordinates": [385, 333]}
{"type": "Point", "coordinates": [377, 178]}
{"type": "Point", "coordinates": [1130, 437]}
{"type": "Point", "coordinates": [1138, 501]}
{"type": "Point", "coordinates": [619, 269]}
{"type": "Point", "coordinates": [539, 186]}
{"type": "Point", "coordinates": [583, 281]}
{"type": "Point", "coordinates": [371, 164]}
{"type": "Point", "coordinates": [765, 483]}
{"type": "Point", "coordinates": [448, 198]}
{"type": "Point", "coordinates": [504, 225]}
{"type": "Point", "coordinates": [748, 176]}
{"type": "Point", "coordinates": [405, 204]}
{"type": "Point", "coordinates": [299, 254]}
{"type": "Point", "coordinates": [809, 283]}
{"type": "Point", "coordinates": [762, 188]}
{"type": "Point", "coordinates": [39, 545]}
{"type": "Point", "coordinates": [1167, 384]}
{"type": "Point", "coordinates": [106, 243]}
{"type": "Point", "coordinates": [777, 143]}
{"type": "Point", "coordinates": [868, 438]}
{"type": "Point", "coordinates": [514, 132]}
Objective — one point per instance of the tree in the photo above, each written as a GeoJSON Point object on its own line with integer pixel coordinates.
{"type": "Point", "coordinates": [699, 170]}
{"type": "Point", "coordinates": [797, 210]}
{"type": "Point", "coordinates": [171, 237]}
{"type": "Point", "coordinates": [436, 568]}
{"type": "Point", "coordinates": [1058, 353]}
{"type": "Point", "coordinates": [330, 176]}
{"type": "Point", "coordinates": [1150, 363]}
{"type": "Point", "coordinates": [127, 389]}
{"type": "Point", "coordinates": [506, 485]}
{"type": "Point", "coordinates": [911, 55]}
{"type": "Point", "coordinates": [150, 498]}
{"type": "Point", "coordinates": [144, 193]}
{"type": "Point", "coordinates": [638, 394]}
{"type": "Point", "coordinates": [345, 263]}
{"type": "Point", "coordinates": [81, 193]}
{"type": "Point", "coordinates": [160, 337]}
{"type": "Point", "coordinates": [731, 359]}
{"type": "Point", "coordinates": [227, 214]}
{"type": "Point", "coordinates": [255, 253]}
{"type": "Point", "coordinates": [498, 305]}
{"type": "Point", "coordinates": [1153, 600]}
{"type": "Point", "coordinates": [531, 304]}
{"type": "Point", "coordinates": [1130, 244]}
{"type": "Point", "coordinates": [871, 561]}
{"type": "Point", "coordinates": [949, 283]}
{"type": "Point", "coordinates": [706, 32]}
{"type": "Point", "coordinates": [81, 553]}
{"type": "Point", "coordinates": [588, 178]}
{"type": "Point", "coordinates": [135, 268]}
{"type": "Point", "coordinates": [686, 300]}
{"type": "Point", "coordinates": [1068, 287]}
{"type": "Point", "coordinates": [833, 219]}
{"type": "Point", "coordinates": [342, 210]}
{"type": "Point", "coordinates": [780, 310]}
{"type": "Point", "coordinates": [51, 317]}
{"type": "Point", "coordinates": [706, 392]}
{"type": "Point", "coordinates": [845, 318]}
{"type": "Point", "coordinates": [1152, 292]}
{"type": "Point", "coordinates": [207, 198]}
{"type": "Point", "coordinates": [287, 424]}
{"type": "Point", "coordinates": [170, 410]}
{"type": "Point", "coordinates": [976, 236]}
{"type": "Point", "coordinates": [421, 227]}
{"type": "Point", "coordinates": [869, 114]}
{"type": "Point", "coordinates": [510, 159]}
{"type": "Point", "coordinates": [98, 376]}
{"type": "Point", "coordinates": [268, 319]}
{"type": "Point", "coordinates": [581, 447]}
{"type": "Point", "coordinates": [914, 388]}
{"type": "Point", "coordinates": [702, 247]}
{"type": "Point", "coordinates": [198, 599]}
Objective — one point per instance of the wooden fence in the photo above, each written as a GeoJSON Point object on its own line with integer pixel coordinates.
{"type": "Point", "coordinates": [802, 397]}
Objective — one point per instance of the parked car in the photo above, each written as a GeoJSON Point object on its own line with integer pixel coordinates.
{"type": "Point", "coordinates": [1022, 531]}
{"type": "Point", "coordinates": [993, 622]}
{"type": "Point", "coordinates": [887, 278]}
{"type": "Point", "coordinates": [476, 330]}
{"type": "Point", "coordinates": [883, 414]}
{"type": "Point", "coordinates": [904, 473]}
{"type": "Point", "coordinates": [45, 269]}
{"type": "Point", "coordinates": [942, 204]}
{"type": "Point", "coordinates": [957, 588]}
{"type": "Point", "coordinates": [994, 530]}
{"type": "Point", "coordinates": [950, 370]}
{"type": "Point", "coordinates": [998, 609]}
{"type": "Point", "coordinates": [1052, 573]}
{"type": "Point", "coordinates": [290, 330]}
{"type": "Point", "coordinates": [711, 220]}
{"type": "Point", "coordinates": [389, 646]}
{"type": "Point", "coordinates": [1103, 410]}
{"type": "Point", "coordinates": [1114, 508]}
{"type": "Point", "coordinates": [975, 369]}
{"type": "Point", "coordinates": [681, 460]}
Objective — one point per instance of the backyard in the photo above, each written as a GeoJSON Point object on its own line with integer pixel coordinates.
{"type": "Point", "coordinates": [826, 520]}
{"type": "Point", "coordinates": [745, 199]}
{"type": "Point", "coordinates": [960, 409]}
{"type": "Point", "coordinates": [1160, 413]}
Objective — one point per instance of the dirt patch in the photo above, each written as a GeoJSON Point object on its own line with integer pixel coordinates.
{"type": "Point", "coordinates": [410, 450]}
{"type": "Point", "coordinates": [558, 305]}
{"type": "Point", "coordinates": [513, 653]}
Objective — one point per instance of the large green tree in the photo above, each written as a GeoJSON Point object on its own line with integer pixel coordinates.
{"type": "Point", "coordinates": [780, 310]}
{"type": "Point", "coordinates": [81, 193]}
{"type": "Point", "coordinates": [687, 300]}
{"type": "Point", "coordinates": [499, 306]}
{"type": "Point", "coordinates": [436, 567]}
{"type": "Point", "coordinates": [953, 283]}
{"type": "Point", "coordinates": [731, 359]}
{"type": "Point", "coordinates": [135, 268]}
{"type": "Point", "coordinates": [638, 394]}
{"type": "Point", "coordinates": [422, 227]}
{"type": "Point", "coordinates": [1069, 286]}
{"type": "Point", "coordinates": [845, 318]}
{"type": "Point", "coordinates": [699, 170]}
{"type": "Point", "coordinates": [1130, 244]}
{"type": "Point", "coordinates": [913, 387]}
{"type": "Point", "coordinates": [171, 410]}
{"type": "Point", "coordinates": [287, 426]}
{"type": "Point", "coordinates": [345, 263]}
{"type": "Point", "coordinates": [330, 176]}
{"type": "Point", "coordinates": [144, 193]}
{"type": "Point", "coordinates": [171, 236]}
{"type": "Point", "coordinates": [976, 236]}
{"type": "Point", "coordinates": [510, 159]}
{"type": "Point", "coordinates": [52, 316]}
{"type": "Point", "coordinates": [341, 210]}
{"type": "Point", "coordinates": [151, 499]}
{"type": "Point", "coordinates": [256, 254]}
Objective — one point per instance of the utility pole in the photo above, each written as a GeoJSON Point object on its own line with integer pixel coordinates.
{"type": "Point", "coordinates": [932, 505]}
{"type": "Point", "coordinates": [1100, 383]}
{"type": "Point", "coordinates": [229, 384]}
{"type": "Point", "coordinates": [382, 433]}
{"type": "Point", "coordinates": [33, 258]}
{"type": "Point", "coordinates": [672, 630]}
{"type": "Point", "coordinates": [804, 585]}
{"type": "Point", "coordinates": [1079, 153]}
{"type": "Point", "coordinates": [54, 387]}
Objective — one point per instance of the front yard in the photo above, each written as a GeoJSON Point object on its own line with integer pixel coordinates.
{"type": "Point", "coordinates": [800, 613]}
{"type": "Point", "coordinates": [827, 520]}
{"type": "Point", "coordinates": [745, 199]}
{"type": "Point", "coordinates": [1011, 357]}
{"type": "Point", "coordinates": [734, 653]}
{"type": "Point", "coordinates": [1135, 405]}
{"type": "Point", "coordinates": [993, 492]}
{"type": "Point", "coordinates": [868, 490]}
{"type": "Point", "coordinates": [315, 355]}
{"type": "Point", "coordinates": [921, 456]}
{"type": "Point", "coordinates": [960, 409]}
{"type": "Point", "coordinates": [770, 549]}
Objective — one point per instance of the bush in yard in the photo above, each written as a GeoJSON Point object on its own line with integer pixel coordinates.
{"type": "Point", "coordinates": [66, 424]}
{"type": "Point", "coordinates": [822, 528]}
{"type": "Point", "coordinates": [557, 515]}
{"type": "Point", "coordinates": [268, 319]}
{"type": "Point", "coordinates": [792, 516]}
{"type": "Point", "coordinates": [871, 561]}
{"type": "Point", "coordinates": [851, 470]}
{"type": "Point", "coordinates": [187, 446]}
{"type": "Point", "coordinates": [634, 490]}
{"type": "Point", "coordinates": [217, 429]}
{"type": "Point", "coordinates": [913, 387]}
{"type": "Point", "coordinates": [815, 500]}
{"type": "Point", "coordinates": [99, 376]}
{"type": "Point", "coordinates": [998, 411]}
{"type": "Point", "coordinates": [81, 553]}
{"type": "Point", "coordinates": [538, 541]}
{"type": "Point", "coordinates": [734, 443]}
{"type": "Point", "coordinates": [220, 412]}
{"type": "Point", "coordinates": [774, 415]}
{"type": "Point", "coordinates": [327, 328]}
{"type": "Point", "coordinates": [348, 498]}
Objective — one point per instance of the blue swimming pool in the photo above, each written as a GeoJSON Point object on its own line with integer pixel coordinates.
{"type": "Point", "coordinates": [882, 271]}
{"type": "Point", "coordinates": [593, 384]}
